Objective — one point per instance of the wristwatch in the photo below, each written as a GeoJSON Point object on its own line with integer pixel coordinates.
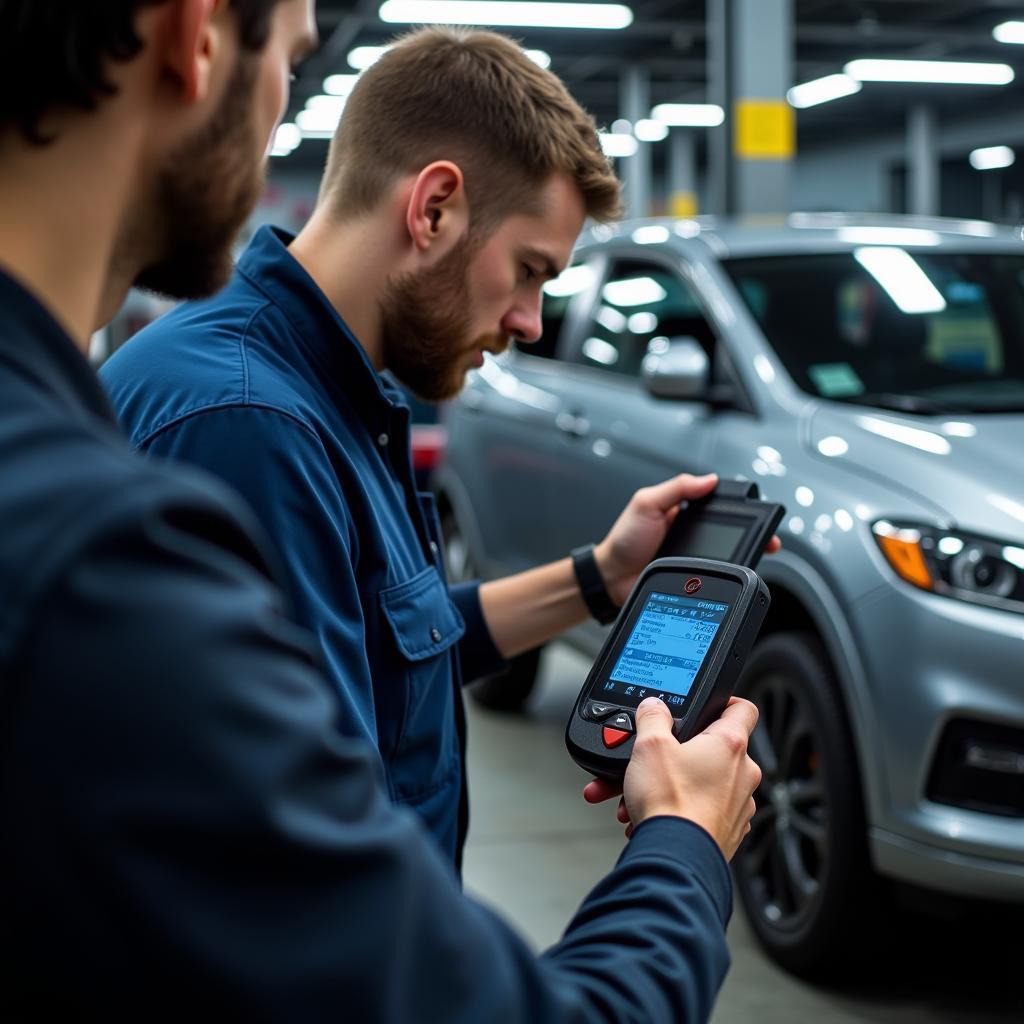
{"type": "Point", "coordinates": [591, 584]}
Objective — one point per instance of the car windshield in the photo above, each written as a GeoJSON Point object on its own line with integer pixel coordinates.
{"type": "Point", "coordinates": [920, 332]}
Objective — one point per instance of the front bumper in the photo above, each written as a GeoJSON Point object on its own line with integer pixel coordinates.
{"type": "Point", "coordinates": [929, 660]}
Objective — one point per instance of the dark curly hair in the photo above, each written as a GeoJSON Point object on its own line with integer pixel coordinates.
{"type": "Point", "coordinates": [53, 53]}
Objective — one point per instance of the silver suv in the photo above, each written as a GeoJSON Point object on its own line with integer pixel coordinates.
{"type": "Point", "coordinates": [869, 375]}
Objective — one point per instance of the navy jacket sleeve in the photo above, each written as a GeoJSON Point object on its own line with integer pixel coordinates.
{"type": "Point", "coordinates": [279, 466]}
{"type": "Point", "coordinates": [189, 829]}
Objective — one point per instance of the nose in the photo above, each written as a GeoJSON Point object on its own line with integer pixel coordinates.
{"type": "Point", "coordinates": [522, 321]}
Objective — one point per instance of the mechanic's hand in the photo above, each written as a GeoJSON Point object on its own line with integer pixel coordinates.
{"type": "Point", "coordinates": [709, 779]}
{"type": "Point", "coordinates": [634, 539]}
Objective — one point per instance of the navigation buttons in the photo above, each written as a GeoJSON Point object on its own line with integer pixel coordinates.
{"type": "Point", "coordinates": [614, 737]}
{"type": "Point", "coordinates": [622, 721]}
{"type": "Point", "coordinates": [598, 712]}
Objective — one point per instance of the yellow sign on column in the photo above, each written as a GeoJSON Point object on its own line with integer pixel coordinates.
{"type": "Point", "coordinates": [765, 130]}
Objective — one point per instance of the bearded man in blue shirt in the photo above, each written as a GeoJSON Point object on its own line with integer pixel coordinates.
{"type": "Point", "coordinates": [457, 183]}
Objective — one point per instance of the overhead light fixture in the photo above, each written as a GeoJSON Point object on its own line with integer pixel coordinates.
{"type": "Point", "coordinates": [689, 115]}
{"type": "Point", "coordinates": [1009, 32]}
{"type": "Point", "coordinates": [902, 278]}
{"type": "Point", "coordinates": [992, 158]}
{"type": "Point", "coordinates": [649, 130]}
{"type": "Point", "coordinates": [340, 85]}
{"type": "Point", "coordinates": [617, 145]}
{"type": "Point", "coordinates": [822, 90]}
{"type": "Point", "coordinates": [319, 119]}
{"type": "Point", "coordinates": [506, 12]}
{"type": "Point", "coordinates": [888, 236]}
{"type": "Point", "coordinates": [286, 139]}
{"type": "Point", "coordinates": [634, 291]}
{"type": "Point", "coordinates": [363, 57]}
{"type": "Point", "coordinates": [651, 234]}
{"type": "Point", "coordinates": [947, 72]}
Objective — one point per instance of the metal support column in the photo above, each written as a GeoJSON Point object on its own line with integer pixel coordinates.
{"type": "Point", "coordinates": [922, 162]}
{"type": "Point", "coordinates": [763, 123]}
{"type": "Point", "coordinates": [719, 90]}
{"type": "Point", "coordinates": [635, 103]}
{"type": "Point", "coordinates": [682, 173]}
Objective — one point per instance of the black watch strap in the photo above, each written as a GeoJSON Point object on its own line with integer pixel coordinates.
{"type": "Point", "coordinates": [592, 587]}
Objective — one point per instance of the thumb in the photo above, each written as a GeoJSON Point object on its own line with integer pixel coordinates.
{"type": "Point", "coordinates": [653, 718]}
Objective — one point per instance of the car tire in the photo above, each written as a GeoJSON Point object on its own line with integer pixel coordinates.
{"type": "Point", "coordinates": [803, 873]}
{"type": "Point", "coordinates": [508, 690]}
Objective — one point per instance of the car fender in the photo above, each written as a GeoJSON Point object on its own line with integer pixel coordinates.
{"type": "Point", "coordinates": [789, 570]}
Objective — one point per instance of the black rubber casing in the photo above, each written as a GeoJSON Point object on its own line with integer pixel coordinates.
{"type": "Point", "coordinates": [714, 683]}
{"type": "Point", "coordinates": [735, 504]}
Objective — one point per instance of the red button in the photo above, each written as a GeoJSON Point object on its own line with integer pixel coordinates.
{"type": "Point", "coordinates": [614, 737]}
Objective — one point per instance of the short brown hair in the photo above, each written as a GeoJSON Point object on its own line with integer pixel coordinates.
{"type": "Point", "coordinates": [475, 98]}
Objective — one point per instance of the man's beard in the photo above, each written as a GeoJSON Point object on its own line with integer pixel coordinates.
{"type": "Point", "coordinates": [425, 327]}
{"type": "Point", "coordinates": [206, 190]}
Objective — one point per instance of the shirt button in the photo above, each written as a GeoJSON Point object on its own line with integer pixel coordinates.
{"type": "Point", "coordinates": [433, 547]}
{"type": "Point", "coordinates": [435, 635]}
{"type": "Point", "coordinates": [382, 440]}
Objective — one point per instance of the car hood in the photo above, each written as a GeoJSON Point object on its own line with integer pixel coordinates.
{"type": "Point", "coordinates": [971, 468]}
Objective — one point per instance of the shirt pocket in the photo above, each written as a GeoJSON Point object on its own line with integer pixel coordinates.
{"type": "Point", "coordinates": [424, 624]}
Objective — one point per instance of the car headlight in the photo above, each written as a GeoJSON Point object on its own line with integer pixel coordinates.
{"type": "Point", "coordinates": [954, 564]}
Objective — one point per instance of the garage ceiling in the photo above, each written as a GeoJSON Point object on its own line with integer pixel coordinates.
{"type": "Point", "coordinates": [669, 38]}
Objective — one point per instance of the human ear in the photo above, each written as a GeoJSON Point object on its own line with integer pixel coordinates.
{"type": "Point", "coordinates": [191, 42]}
{"type": "Point", "coordinates": [437, 212]}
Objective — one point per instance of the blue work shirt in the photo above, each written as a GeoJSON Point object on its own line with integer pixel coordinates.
{"type": "Point", "coordinates": [265, 386]}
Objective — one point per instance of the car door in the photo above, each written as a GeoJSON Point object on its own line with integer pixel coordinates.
{"type": "Point", "coordinates": [502, 437]}
{"type": "Point", "coordinates": [613, 436]}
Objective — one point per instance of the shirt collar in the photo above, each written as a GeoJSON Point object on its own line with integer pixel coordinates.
{"type": "Point", "coordinates": [322, 335]}
{"type": "Point", "coordinates": [36, 346]}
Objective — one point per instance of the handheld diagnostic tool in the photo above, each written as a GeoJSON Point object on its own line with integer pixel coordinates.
{"type": "Point", "coordinates": [683, 636]}
{"type": "Point", "coordinates": [732, 524]}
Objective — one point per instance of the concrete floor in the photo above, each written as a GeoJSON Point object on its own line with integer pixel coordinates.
{"type": "Point", "coordinates": [535, 848]}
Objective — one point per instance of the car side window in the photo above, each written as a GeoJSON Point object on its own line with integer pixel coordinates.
{"type": "Point", "coordinates": [556, 301]}
{"type": "Point", "coordinates": [641, 303]}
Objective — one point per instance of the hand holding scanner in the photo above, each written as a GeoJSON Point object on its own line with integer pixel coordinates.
{"type": "Point", "coordinates": [683, 636]}
{"type": "Point", "coordinates": [731, 523]}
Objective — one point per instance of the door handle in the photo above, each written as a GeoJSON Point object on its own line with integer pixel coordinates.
{"type": "Point", "coordinates": [575, 426]}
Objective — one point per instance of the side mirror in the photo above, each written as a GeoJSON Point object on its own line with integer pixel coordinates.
{"type": "Point", "coordinates": [677, 368]}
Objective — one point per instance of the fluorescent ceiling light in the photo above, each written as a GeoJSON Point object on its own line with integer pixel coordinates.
{"type": "Point", "coordinates": [642, 323]}
{"type": "Point", "coordinates": [991, 158]}
{"type": "Point", "coordinates": [318, 123]}
{"type": "Point", "coordinates": [1009, 32]}
{"type": "Point", "coordinates": [286, 139]}
{"type": "Point", "coordinates": [570, 281]}
{"type": "Point", "coordinates": [363, 57]}
{"type": "Point", "coordinates": [612, 319]}
{"type": "Point", "coordinates": [634, 291]}
{"type": "Point", "coordinates": [340, 85]}
{"type": "Point", "coordinates": [902, 278]}
{"type": "Point", "coordinates": [822, 90]}
{"type": "Point", "coordinates": [617, 145]}
{"type": "Point", "coordinates": [506, 12]}
{"type": "Point", "coordinates": [600, 351]}
{"type": "Point", "coordinates": [947, 72]}
{"type": "Point", "coordinates": [651, 234]}
{"type": "Point", "coordinates": [621, 126]}
{"type": "Point", "coordinates": [888, 236]}
{"type": "Point", "coordinates": [689, 115]}
{"type": "Point", "coordinates": [649, 130]}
